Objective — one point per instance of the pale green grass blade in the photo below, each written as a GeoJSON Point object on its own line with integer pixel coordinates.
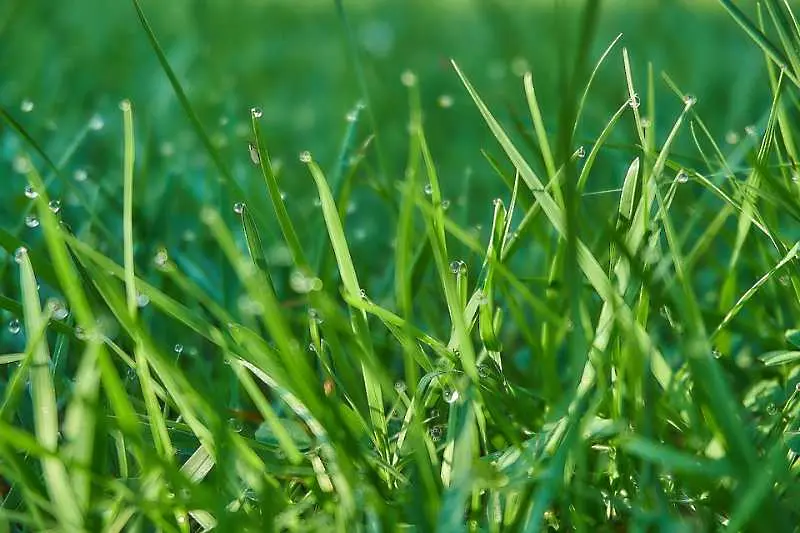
{"type": "Point", "coordinates": [56, 476]}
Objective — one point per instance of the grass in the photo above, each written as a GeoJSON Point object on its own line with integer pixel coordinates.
{"type": "Point", "coordinates": [222, 339]}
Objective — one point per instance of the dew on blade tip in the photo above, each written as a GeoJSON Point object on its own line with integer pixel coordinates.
{"type": "Point", "coordinates": [54, 206]}
{"type": "Point", "coordinates": [20, 253]}
{"type": "Point", "coordinates": [238, 208]}
{"type": "Point", "coordinates": [31, 221]}
{"type": "Point", "coordinates": [14, 326]}
{"type": "Point", "coordinates": [30, 192]}
{"type": "Point", "coordinates": [26, 106]}
{"type": "Point", "coordinates": [256, 112]}
{"type": "Point", "coordinates": [305, 156]}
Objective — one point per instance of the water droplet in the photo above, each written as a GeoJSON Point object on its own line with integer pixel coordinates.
{"type": "Point", "coordinates": [689, 100]}
{"type": "Point", "coordinates": [408, 78]}
{"type": "Point", "coordinates": [256, 112]}
{"type": "Point", "coordinates": [314, 316]}
{"type": "Point", "coordinates": [30, 192]}
{"type": "Point", "coordinates": [54, 206]}
{"type": "Point", "coordinates": [428, 189]}
{"type": "Point", "coordinates": [795, 177]}
{"type": "Point", "coordinates": [80, 175]}
{"type": "Point", "coordinates": [328, 386]}
{"type": "Point", "coordinates": [751, 130]}
{"type": "Point", "coordinates": [363, 294]}
{"type": "Point", "coordinates": [14, 327]}
{"type": "Point", "coordinates": [142, 300]}
{"type": "Point", "coordinates": [646, 123]}
{"type": "Point", "coordinates": [445, 204]}
{"type": "Point", "coordinates": [456, 266]}
{"type": "Point", "coordinates": [80, 333]}
{"type": "Point", "coordinates": [312, 348]}
{"type": "Point", "coordinates": [31, 221]}
{"type": "Point", "coordinates": [450, 395]}
{"type": "Point", "coordinates": [238, 208]}
{"type": "Point", "coordinates": [634, 101]}
{"type": "Point", "coordinates": [303, 284]}
{"type": "Point", "coordinates": [351, 116]}
{"type": "Point", "coordinates": [178, 348]}
{"type": "Point", "coordinates": [682, 176]}
{"type": "Point", "coordinates": [125, 105]}
{"type": "Point", "coordinates": [167, 149]}
{"type": "Point", "coordinates": [797, 387]}
{"type": "Point", "coordinates": [305, 156]}
{"type": "Point", "coordinates": [21, 165]}
{"type": "Point", "coordinates": [161, 258]}
{"type": "Point", "coordinates": [399, 386]}
{"type": "Point", "coordinates": [772, 409]}
{"type": "Point", "coordinates": [283, 195]}
{"type": "Point", "coordinates": [784, 280]}
{"type": "Point", "coordinates": [445, 101]}
{"type": "Point", "coordinates": [255, 158]}
{"type": "Point", "coordinates": [436, 433]}
{"type": "Point", "coordinates": [96, 123]}
{"type": "Point", "coordinates": [731, 137]}
{"type": "Point", "coordinates": [581, 153]}
{"type": "Point", "coordinates": [316, 202]}
{"type": "Point", "coordinates": [26, 106]}
{"type": "Point", "coordinates": [20, 253]}
{"type": "Point", "coordinates": [57, 309]}
{"type": "Point", "coordinates": [519, 66]}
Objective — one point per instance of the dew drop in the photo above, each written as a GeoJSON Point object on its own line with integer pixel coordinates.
{"type": "Point", "coordinates": [305, 156]}
{"type": "Point", "coordinates": [408, 78]}
{"type": "Point", "coordinates": [14, 327]}
{"type": "Point", "coordinates": [31, 221]}
{"type": "Point", "coordinates": [363, 294]}
{"type": "Point", "coordinates": [689, 100]}
{"type": "Point", "coordinates": [161, 258]}
{"type": "Point", "coordinates": [96, 123]}
{"type": "Point", "coordinates": [142, 300]}
{"type": "Point", "coordinates": [178, 348]}
{"type": "Point", "coordinates": [351, 116]}
{"type": "Point", "coordinates": [751, 130]}
{"type": "Point", "coordinates": [21, 165]}
{"type": "Point", "coordinates": [445, 204]}
{"type": "Point", "coordinates": [303, 284]}
{"type": "Point", "coordinates": [125, 105]}
{"type": "Point", "coordinates": [581, 153]}
{"type": "Point", "coordinates": [30, 192]}
{"type": "Point", "coordinates": [256, 112]}
{"type": "Point", "coordinates": [682, 176]}
{"type": "Point", "coordinates": [450, 396]}
{"type": "Point", "coordinates": [646, 123]}
{"type": "Point", "coordinates": [399, 386]}
{"type": "Point", "coordinates": [57, 308]}
{"type": "Point", "coordinates": [26, 106]}
{"type": "Point", "coordinates": [255, 158]}
{"type": "Point", "coordinates": [445, 101]}
{"type": "Point", "coordinates": [519, 66]}
{"type": "Point", "coordinates": [238, 208]}
{"type": "Point", "coordinates": [435, 433]}
{"type": "Point", "coordinates": [795, 177]}
{"type": "Point", "coordinates": [634, 102]}
{"type": "Point", "coordinates": [428, 189]}
{"type": "Point", "coordinates": [455, 266]}
{"type": "Point", "coordinates": [20, 253]}
{"type": "Point", "coordinates": [80, 175]}
{"type": "Point", "coordinates": [54, 206]}
{"type": "Point", "coordinates": [316, 202]}
{"type": "Point", "coordinates": [314, 316]}
{"type": "Point", "coordinates": [731, 137]}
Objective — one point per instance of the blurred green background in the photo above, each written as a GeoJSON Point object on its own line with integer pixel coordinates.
{"type": "Point", "coordinates": [66, 66]}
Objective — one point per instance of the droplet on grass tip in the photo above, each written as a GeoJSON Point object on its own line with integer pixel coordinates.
{"type": "Point", "coordinates": [634, 101]}
{"type": "Point", "coordinates": [399, 386]}
{"type": "Point", "coordinates": [445, 204]}
{"type": "Point", "coordinates": [255, 158]}
{"type": "Point", "coordinates": [125, 105]}
{"type": "Point", "coordinates": [682, 176]}
{"type": "Point", "coordinates": [96, 123]}
{"type": "Point", "coordinates": [519, 66]}
{"type": "Point", "coordinates": [256, 112]}
{"type": "Point", "coordinates": [26, 106]}
{"type": "Point", "coordinates": [581, 153]}
{"type": "Point", "coordinates": [54, 206]}
{"type": "Point", "coordinates": [32, 221]}
{"type": "Point", "coordinates": [30, 192]}
{"type": "Point", "coordinates": [178, 348]}
{"type": "Point", "coordinates": [303, 284]}
{"type": "Point", "coordinates": [305, 156]}
{"type": "Point", "coordinates": [689, 99]}
{"type": "Point", "coordinates": [428, 189]}
{"type": "Point", "coordinates": [751, 130]}
{"type": "Point", "coordinates": [455, 266]}
{"type": "Point", "coordinates": [351, 116]}
{"type": "Point", "coordinates": [408, 78]}
{"type": "Point", "coordinates": [20, 253]}
{"type": "Point", "coordinates": [238, 208]}
{"type": "Point", "coordinates": [14, 327]}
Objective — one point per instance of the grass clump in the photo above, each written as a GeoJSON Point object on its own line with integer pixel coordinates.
{"type": "Point", "coordinates": [564, 367]}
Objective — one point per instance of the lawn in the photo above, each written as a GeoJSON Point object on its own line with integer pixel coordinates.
{"type": "Point", "coordinates": [399, 266]}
